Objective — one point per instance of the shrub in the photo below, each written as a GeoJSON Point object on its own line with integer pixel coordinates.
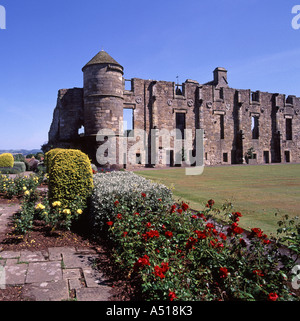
{"type": "Point", "coordinates": [50, 156]}
{"type": "Point", "coordinates": [182, 255]}
{"type": "Point", "coordinates": [6, 160]}
{"type": "Point", "coordinates": [70, 176]}
{"type": "Point", "coordinates": [131, 191]}
{"type": "Point", "coordinates": [20, 167]}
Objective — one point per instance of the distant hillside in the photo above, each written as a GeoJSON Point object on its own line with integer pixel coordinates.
{"type": "Point", "coordinates": [20, 151]}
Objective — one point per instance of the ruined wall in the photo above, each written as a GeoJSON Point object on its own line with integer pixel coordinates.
{"type": "Point", "coordinates": [233, 120]}
{"type": "Point", "coordinates": [67, 116]}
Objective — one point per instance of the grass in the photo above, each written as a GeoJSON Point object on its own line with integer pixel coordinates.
{"type": "Point", "coordinates": [258, 192]}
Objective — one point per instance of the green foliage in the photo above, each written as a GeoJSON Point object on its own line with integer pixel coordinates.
{"type": "Point", "coordinates": [70, 175]}
{"type": "Point", "coordinates": [182, 255]}
{"type": "Point", "coordinates": [6, 160]}
{"type": "Point", "coordinates": [125, 188]}
{"type": "Point", "coordinates": [19, 186]}
{"type": "Point", "coordinates": [20, 167]}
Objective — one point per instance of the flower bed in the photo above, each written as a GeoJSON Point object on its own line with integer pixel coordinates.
{"type": "Point", "coordinates": [179, 255]}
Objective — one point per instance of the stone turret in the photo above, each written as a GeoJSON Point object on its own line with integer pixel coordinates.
{"type": "Point", "coordinates": [103, 97]}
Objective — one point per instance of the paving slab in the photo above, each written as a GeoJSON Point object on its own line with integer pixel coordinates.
{"type": "Point", "coordinates": [73, 260]}
{"type": "Point", "coordinates": [55, 253]}
{"type": "Point", "coordinates": [47, 291]}
{"type": "Point", "coordinates": [36, 256]}
{"type": "Point", "coordinates": [71, 274]}
{"type": "Point", "coordinates": [44, 272]}
{"type": "Point", "coordinates": [93, 278]}
{"type": "Point", "coordinates": [75, 284]}
{"type": "Point", "coordinates": [10, 254]}
{"type": "Point", "coordinates": [101, 293]}
{"type": "Point", "coordinates": [15, 274]}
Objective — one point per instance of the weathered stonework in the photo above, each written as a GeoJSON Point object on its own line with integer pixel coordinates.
{"type": "Point", "coordinates": [233, 120]}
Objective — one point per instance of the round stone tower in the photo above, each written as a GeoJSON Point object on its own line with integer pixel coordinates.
{"type": "Point", "coordinates": [103, 98]}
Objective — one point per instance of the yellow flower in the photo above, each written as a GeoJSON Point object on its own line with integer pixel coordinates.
{"type": "Point", "coordinates": [57, 203]}
{"type": "Point", "coordinates": [40, 207]}
{"type": "Point", "coordinates": [27, 193]}
{"type": "Point", "coordinates": [79, 211]}
{"type": "Point", "coordinates": [67, 211]}
{"type": "Point", "coordinates": [24, 188]}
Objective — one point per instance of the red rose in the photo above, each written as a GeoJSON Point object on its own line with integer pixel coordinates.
{"type": "Point", "coordinates": [116, 203]}
{"type": "Point", "coordinates": [148, 225]}
{"type": "Point", "coordinates": [141, 262]}
{"type": "Point", "coordinates": [173, 208]}
{"type": "Point", "coordinates": [125, 234]}
{"type": "Point", "coordinates": [190, 243]}
{"type": "Point", "coordinates": [201, 235]}
{"type": "Point", "coordinates": [179, 210]}
{"type": "Point", "coordinates": [184, 206]}
{"type": "Point", "coordinates": [168, 234]}
{"type": "Point", "coordinates": [110, 223]}
{"type": "Point", "coordinates": [119, 216]}
{"type": "Point", "coordinates": [210, 203]}
{"type": "Point", "coordinates": [258, 272]}
{"type": "Point", "coordinates": [243, 242]}
{"type": "Point", "coordinates": [223, 236]}
{"type": "Point", "coordinates": [223, 272]}
{"type": "Point", "coordinates": [172, 295]}
{"type": "Point", "coordinates": [272, 296]}
{"type": "Point", "coordinates": [143, 194]}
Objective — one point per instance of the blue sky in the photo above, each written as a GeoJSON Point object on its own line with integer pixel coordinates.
{"type": "Point", "coordinates": [46, 43]}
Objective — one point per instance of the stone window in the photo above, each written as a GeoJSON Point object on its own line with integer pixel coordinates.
{"type": "Point", "coordinates": [81, 131]}
{"type": "Point", "coordinates": [222, 134]}
{"type": "Point", "coordinates": [128, 84]}
{"type": "Point", "coordinates": [225, 157]}
{"type": "Point", "coordinates": [287, 156]}
{"type": "Point", "coordinates": [255, 96]}
{"type": "Point", "coordinates": [128, 121]}
{"type": "Point", "coordinates": [180, 124]}
{"type": "Point", "coordinates": [288, 129]}
{"type": "Point", "coordinates": [266, 156]}
{"type": "Point", "coordinates": [255, 127]}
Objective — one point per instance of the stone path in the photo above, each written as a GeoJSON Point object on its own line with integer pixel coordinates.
{"type": "Point", "coordinates": [60, 273]}
{"type": "Point", "coordinates": [55, 274]}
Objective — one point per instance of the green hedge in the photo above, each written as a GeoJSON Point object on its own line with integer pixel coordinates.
{"type": "Point", "coordinates": [20, 166]}
{"type": "Point", "coordinates": [70, 175]}
{"type": "Point", "coordinates": [6, 160]}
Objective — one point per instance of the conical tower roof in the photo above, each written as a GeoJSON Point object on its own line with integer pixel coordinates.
{"type": "Point", "coordinates": [102, 57]}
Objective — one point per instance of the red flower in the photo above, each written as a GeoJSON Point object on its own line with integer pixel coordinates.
{"type": "Point", "coordinates": [243, 242]}
{"type": "Point", "coordinates": [194, 216]}
{"type": "Point", "coordinates": [168, 234]}
{"type": "Point", "coordinates": [173, 208]}
{"type": "Point", "coordinates": [184, 206]}
{"type": "Point", "coordinates": [209, 225]}
{"type": "Point", "coordinates": [125, 234]}
{"type": "Point", "coordinates": [172, 295]}
{"type": "Point", "coordinates": [223, 272]}
{"type": "Point", "coordinates": [119, 216]}
{"type": "Point", "coordinates": [272, 296]}
{"type": "Point", "coordinates": [201, 235]}
{"type": "Point", "coordinates": [117, 203]}
{"type": "Point", "coordinates": [143, 194]}
{"type": "Point", "coordinates": [141, 262]}
{"type": "Point", "coordinates": [258, 272]}
{"type": "Point", "coordinates": [150, 234]}
{"type": "Point", "coordinates": [256, 232]}
{"type": "Point", "coordinates": [160, 199]}
{"type": "Point", "coordinates": [190, 243]}
{"type": "Point", "coordinates": [223, 236]}
{"type": "Point", "coordinates": [159, 271]}
{"type": "Point", "coordinates": [210, 203]}
{"type": "Point", "coordinates": [179, 210]}
{"type": "Point", "coordinates": [110, 223]}
{"type": "Point", "coordinates": [137, 213]}
{"type": "Point", "coordinates": [148, 225]}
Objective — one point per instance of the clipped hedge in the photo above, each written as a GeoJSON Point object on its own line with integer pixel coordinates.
{"type": "Point", "coordinates": [70, 176]}
{"type": "Point", "coordinates": [20, 166]}
{"type": "Point", "coordinates": [132, 191]}
{"type": "Point", "coordinates": [6, 160]}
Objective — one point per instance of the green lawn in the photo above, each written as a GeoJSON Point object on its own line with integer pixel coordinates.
{"type": "Point", "coordinates": [258, 192]}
